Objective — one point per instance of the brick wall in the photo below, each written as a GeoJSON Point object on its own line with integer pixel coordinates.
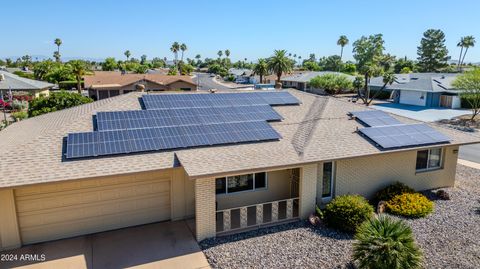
{"type": "Point", "coordinates": [205, 208]}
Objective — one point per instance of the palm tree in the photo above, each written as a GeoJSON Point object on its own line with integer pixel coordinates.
{"type": "Point", "coordinates": [460, 44]}
{"type": "Point", "coordinates": [388, 79]}
{"type": "Point", "coordinates": [220, 53]}
{"type": "Point", "coordinates": [198, 56]}
{"type": "Point", "coordinates": [261, 69]}
{"type": "Point", "coordinates": [227, 53]}
{"type": "Point", "coordinates": [386, 243]}
{"type": "Point", "coordinates": [468, 41]}
{"type": "Point", "coordinates": [342, 42]}
{"type": "Point", "coordinates": [175, 48]}
{"type": "Point", "coordinates": [127, 54]}
{"type": "Point", "coordinates": [279, 64]}
{"type": "Point", "coordinates": [183, 48]}
{"type": "Point", "coordinates": [79, 69]}
{"type": "Point", "coordinates": [57, 42]}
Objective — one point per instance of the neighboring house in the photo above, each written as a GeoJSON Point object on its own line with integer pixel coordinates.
{"type": "Point", "coordinates": [20, 85]}
{"type": "Point", "coordinates": [242, 75]}
{"type": "Point", "coordinates": [107, 84]}
{"type": "Point", "coordinates": [316, 155]}
{"type": "Point", "coordinates": [422, 89]}
{"type": "Point", "coordinates": [300, 80]}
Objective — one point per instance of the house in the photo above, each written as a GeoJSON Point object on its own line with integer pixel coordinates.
{"type": "Point", "coordinates": [19, 85]}
{"type": "Point", "coordinates": [300, 80]}
{"type": "Point", "coordinates": [242, 75]}
{"type": "Point", "coordinates": [107, 84]}
{"type": "Point", "coordinates": [422, 89]}
{"type": "Point", "coordinates": [305, 150]}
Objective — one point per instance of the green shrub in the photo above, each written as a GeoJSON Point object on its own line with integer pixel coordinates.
{"type": "Point", "coordinates": [387, 193]}
{"type": "Point", "coordinates": [347, 212]}
{"type": "Point", "coordinates": [56, 101]}
{"type": "Point", "coordinates": [19, 105]}
{"type": "Point", "coordinates": [332, 83]}
{"type": "Point", "coordinates": [20, 115]}
{"type": "Point", "coordinates": [386, 243]}
{"type": "Point", "coordinates": [413, 205]}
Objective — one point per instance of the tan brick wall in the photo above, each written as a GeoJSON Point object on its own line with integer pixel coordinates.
{"type": "Point", "coordinates": [366, 175]}
{"type": "Point", "coordinates": [9, 233]}
{"type": "Point", "coordinates": [308, 190]}
{"type": "Point", "coordinates": [205, 208]}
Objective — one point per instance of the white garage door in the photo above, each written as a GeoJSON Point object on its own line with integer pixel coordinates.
{"type": "Point", "coordinates": [413, 98]}
{"type": "Point", "coordinates": [74, 208]}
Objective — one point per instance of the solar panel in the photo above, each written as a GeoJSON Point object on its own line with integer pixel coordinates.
{"type": "Point", "coordinates": [100, 143]}
{"type": "Point", "coordinates": [375, 118]}
{"type": "Point", "coordinates": [169, 101]}
{"type": "Point", "coordinates": [404, 135]}
{"type": "Point", "coordinates": [137, 119]}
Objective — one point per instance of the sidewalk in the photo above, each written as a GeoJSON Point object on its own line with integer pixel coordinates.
{"type": "Point", "coordinates": [469, 163]}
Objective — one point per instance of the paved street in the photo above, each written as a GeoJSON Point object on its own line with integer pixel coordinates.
{"type": "Point", "coordinates": [205, 83]}
{"type": "Point", "coordinates": [470, 153]}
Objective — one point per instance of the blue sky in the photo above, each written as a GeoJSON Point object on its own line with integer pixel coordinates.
{"type": "Point", "coordinates": [251, 29]}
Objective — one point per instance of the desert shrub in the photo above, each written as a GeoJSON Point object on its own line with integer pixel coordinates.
{"type": "Point", "coordinates": [413, 205]}
{"type": "Point", "coordinates": [332, 83]}
{"type": "Point", "coordinates": [347, 212]}
{"type": "Point", "coordinates": [387, 193]}
{"type": "Point", "coordinates": [19, 105]}
{"type": "Point", "coordinates": [386, 243]}
{"type": "Point", "coordinates": [20, 115]}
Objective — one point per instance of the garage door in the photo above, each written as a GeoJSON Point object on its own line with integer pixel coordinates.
{"type": "Point", "coordinates": [413, 98]}
{"type": "Point", "coordinates": [74, 208]}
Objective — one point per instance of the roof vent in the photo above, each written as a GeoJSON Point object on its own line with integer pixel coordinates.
{"type": "Point", "coordinates": [2, 77]}
{"type": "Point", "coordinates": [443, 76]}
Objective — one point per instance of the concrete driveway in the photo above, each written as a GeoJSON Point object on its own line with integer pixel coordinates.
{"type": "Point", "coordinates": [427, 114]}
{"type": "Point", "coordinates": [159, 245]}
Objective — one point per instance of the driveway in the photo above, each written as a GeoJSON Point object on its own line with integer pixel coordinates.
{"type": "Point", "coordinates": [159, 245]}
{"type": "Point", "coordinates": [427, 114]}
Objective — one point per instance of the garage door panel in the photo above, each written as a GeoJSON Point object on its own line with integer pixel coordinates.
{"type": "Point", "coordinates": [86, 196]}
{"type": "Point", "coordinates": [61, 212]}
{"type": "Point", "coordinates": [86, 226]}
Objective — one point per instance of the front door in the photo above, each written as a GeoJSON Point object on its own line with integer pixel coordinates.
{"type": "Point", "coordinates": [446, 101]}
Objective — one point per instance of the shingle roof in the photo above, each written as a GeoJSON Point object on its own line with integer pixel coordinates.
{"type": "Point", "coordinates": [17, 83]}
{"type": "Point", "coordinates": [116, 79]}
{"type": "Point", "coordinates": [306, 76]}
{"type": "Point", "coordinates": [426, 82]}
{"type": "Point", "coordinates": [318, 129]}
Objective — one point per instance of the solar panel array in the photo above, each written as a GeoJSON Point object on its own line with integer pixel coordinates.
{"type": "Point", "coordinates": [375, 118]}
{"type": "Point", "coordinates": [173, 121]}
{"type": "Point", "coordinates": [90, 144]}
{"type": "Point", "coordinates": [170, 101]}
{"type": "Point", "coordinates": [404, 135]}
{"type": "Point", "coordinates": [135, 119]}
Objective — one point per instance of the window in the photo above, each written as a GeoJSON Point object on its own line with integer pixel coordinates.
{"type": "Point", "coordinates": [327, 180]}
{"type": "Point", "coordinates": [247, 182]}
{"type": "Point", "coordinates": [429, 159]}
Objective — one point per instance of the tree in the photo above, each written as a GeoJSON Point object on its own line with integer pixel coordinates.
{"type": "Point", "coordinates": [261, 69]}
{"type": "Point", "coordinates": [312, 57]}
{"type": "Point", "coordinates": [157, 62]}
{"type": "Point", "coordinates": [461, 45]}
{"type": "Point", "coordinates": [220, 53]}
{"type": "Point", "coordinates": [175, 48]}
{"type": "Point", "coordinates": [432, 52]}
{"type": "Point", "coordinates": [367, 52]}
{"type": "Point", "coordinates": [227, 53]}
{"type": "Point", "coordinates": [331, 63]}
{"type": "Point", "coordinates": [183, 48]}
{"type": "Point", "coordinates": [109, 64]}
{"type": "Point", "coordinates": [468, 85]}
{"type": "Point", "coordinates": [279, 64]}
{"type": "Point", "coordinates": [403, 63]}
{"type": "Point", "coordinates": [311, 66]}
{"type": "Point", "coordinates": [127, 54]}
{"type": "Point", "coordinates": [56, 54]}
{"type": "Point", "coordinates": [79, 69]}
{"type": "Point", "coordinates": [342, 42]}
{"type": "Point", "coordinates": [332, 83]}
{"type": "Point", "coordinates": [349, 68]}
{"type": "Point", "coordinates": [41, 69]}
{"type": "Point", "coordinates": [55, 101]}
{"type": "Point", "coordinates": [383, 242]}
{"type": "Point", "coordinates": [143, 59]}
{"type": "Point", "coordinates": [467, 42]}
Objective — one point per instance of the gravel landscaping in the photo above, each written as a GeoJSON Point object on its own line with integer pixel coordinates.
{"type": "Point", "coordinates": [449, 238]}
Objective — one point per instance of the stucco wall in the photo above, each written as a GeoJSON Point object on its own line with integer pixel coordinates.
{"type": "Point", "coordinates": [180, 84]}
{"type": "Point", "coordinates": [366, 175]}
{"type": "Point", "coordinates": [278, 188]}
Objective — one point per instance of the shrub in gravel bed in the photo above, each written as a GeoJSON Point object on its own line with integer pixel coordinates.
{"type": "Point", "coordinates": [387, 193]}
{"type": "Point", "coordinates": [347, 212]}
{"type": "Point", "coordinates": [386, 243]}
{"type": "Point", "coordinates": [413, 205]}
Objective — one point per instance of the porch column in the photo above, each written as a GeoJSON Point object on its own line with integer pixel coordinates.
{"type": "Point", "coordinates": [205, 208]}
{"type": "Point", "coordinates": [9, 232]}
{"type": "Point", "coordinates": [308, 190]}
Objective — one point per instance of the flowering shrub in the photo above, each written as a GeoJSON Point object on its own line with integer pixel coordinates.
{"type": "Point", "coordinates": [347, 212]}
{"type": "Point", "coordinates": [413, 205]}
{"type": "Point", "coordinates": [387, 193]}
